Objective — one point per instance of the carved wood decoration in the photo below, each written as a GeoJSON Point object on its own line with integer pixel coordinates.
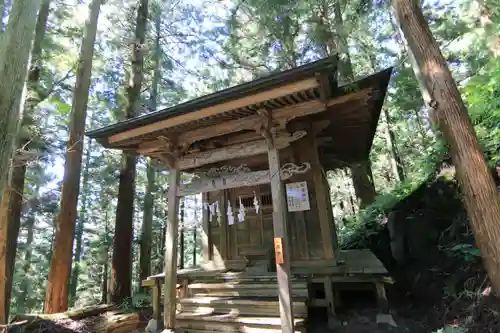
{"type": "Point", "coordinates": [209, 184]}
{"type": "Point", "coordinates": [195, 160]}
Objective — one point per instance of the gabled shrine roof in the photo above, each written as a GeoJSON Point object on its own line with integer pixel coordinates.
{"type": "Point", "coordinates": [306, 94]}
{"type": "Point", "coordinates": [260, 85]}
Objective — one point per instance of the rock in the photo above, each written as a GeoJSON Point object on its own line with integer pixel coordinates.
{"type": "Point", "coordinates": [154, 326]}
{"type": "Point", "coordinates": [386, 319]}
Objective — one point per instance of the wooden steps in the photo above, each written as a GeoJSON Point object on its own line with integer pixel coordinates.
{"type": "Point", "coordinates": [226, 289]}
{"type": "Point", "coordinates": [233, 302]}
{"type": "Point", "coordinates": [241, 306]}
{"type": "Point", "coordinates": [199, 322]}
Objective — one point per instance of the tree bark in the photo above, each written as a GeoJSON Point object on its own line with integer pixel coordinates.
{"type": "Point", "coordinates": [361, 173]}
{"type": "Point", "coordinates": [30, 225]}
{"type": "Point", "coordinates": [105, 260]}
{"type": "Point", "coordinates": [181, 233]}
{"type": "Point", "coordinates": [10, 220]}
{"type": "Point", "coordinates": [147, 225]}
{"type": "Point", "coordinates": [80, 225]}
{"type": "Point", "coordinates": [473, 174]}
{"type": "Point", "coordinates": [17, 39]}
{"type": "Point", "coordinates": [10, 214]}
{"type": "Point", "coordinates": [121, 272]}
{"type": "Point", "coordinates": [394, 159]}
{"type": "Point", "coordinates": [56, 299]}
{"type": "Point", "coordinates": [362, 181]}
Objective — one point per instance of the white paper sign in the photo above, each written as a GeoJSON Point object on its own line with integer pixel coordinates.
{"type": "Point", "coordinates": [297, 197]}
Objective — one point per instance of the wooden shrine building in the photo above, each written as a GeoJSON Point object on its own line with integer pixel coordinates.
{"type": "Point", "coordinates": [260, 152]}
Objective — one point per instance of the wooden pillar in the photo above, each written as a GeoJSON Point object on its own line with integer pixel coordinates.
{"type": "Point", "coordinates": [223, 236]}
{"type": "Point", "coordinates": [321, 191]}
{"type": "Point", "coordinates": [206, 236]}
{"type": "Point", "coordinates": [171, 244]}
{"type": "Point", "coordinates": [281, 236]}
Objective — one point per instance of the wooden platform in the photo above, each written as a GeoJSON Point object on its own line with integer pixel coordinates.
{"type": "Point", "coordinates": [220, 301]}
{"type": "Point", "coordinates": [247, 301]}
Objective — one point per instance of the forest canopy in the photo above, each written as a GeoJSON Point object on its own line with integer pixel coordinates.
{"type": "Point", "coordinates": [94, 63]}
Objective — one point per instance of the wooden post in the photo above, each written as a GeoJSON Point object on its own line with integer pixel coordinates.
{"type": "Point", "coordinates": [171, 238]}
{"type": "Point", "coordinates": [157, 300]}
{"type": "Point", "coordinates": [223, 227]}
{"type": "Point", "coordinates": [206, 237]}
{"type": "Point", "coordinates": [280, 233]}
{"type": "Point", "coordinates": [321, 192]}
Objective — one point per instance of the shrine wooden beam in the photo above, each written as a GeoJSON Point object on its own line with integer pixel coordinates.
{"type": "Point", "coordinates": [210, 184]}
{"type": "Point", "coordinates": [280, 116]}
{"type": "Point", "coordinates": [216, 109]}
{"type": "Point", "coordinates": [248, 149]}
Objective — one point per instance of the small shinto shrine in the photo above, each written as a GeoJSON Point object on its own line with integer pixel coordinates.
{"type": "Point", "coordinates": [259, 153]}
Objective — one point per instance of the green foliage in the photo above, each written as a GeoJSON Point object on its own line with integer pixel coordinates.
{"type": "Point", "coordinates": [483, 98]}
{"type": "Point", "coordinates": [466, 251]}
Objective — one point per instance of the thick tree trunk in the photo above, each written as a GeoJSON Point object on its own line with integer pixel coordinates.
{"type": "Point", "coordinates": [121, 272]}
{"type": "Point", "coordinates": [11, 205]}
{"type": "Point", "coordinates": [147, 224]}
{"type": "Point", "coordinates": [361, 172]}
{"type": "Point", "coordinates": [80, 225]}
{"type": "Point", "coordinates": [56, 299]}
{"type": "Point", "coordinates": [17, 39]}
{"type": "Point", "coordinates": [473, 174]}
{"type": "Point", "coordinates": [362, 180]}
{"type": "Point", "coordinates": [10, 220]}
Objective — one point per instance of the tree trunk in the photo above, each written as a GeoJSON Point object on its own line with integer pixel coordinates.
{"type": "Point", "coordinates": [121, 272]}
{"type": "Point", "coordinates": [147, 224]}
{"type": "Point", "coordinates": [80, 225]}
{"type": "Point", "coordinates": [105, 260]}
{"type": "Point", "coordinates": [194, 246]}
{"type": "Point", "coordinates": [11, 205]}
{"type": "Point", "coordinates": [10, 220]}
{"type": "Point", "coordinates": [30, 225]}
{"type": "Point", "coordinates": [394, 159]}
{"type": "Point", "coordinates": [362, 181]}
{"type": "Point", "coordinates": [17, 39]}
{"type": "Point", "coordinates": [361, 173]}
{"type": "Point", "coordinates": [473, 174]}
{"type": "Point", "coordinates": [181, 233]}
{"type": "Point", "coordinates": [56, 299]}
